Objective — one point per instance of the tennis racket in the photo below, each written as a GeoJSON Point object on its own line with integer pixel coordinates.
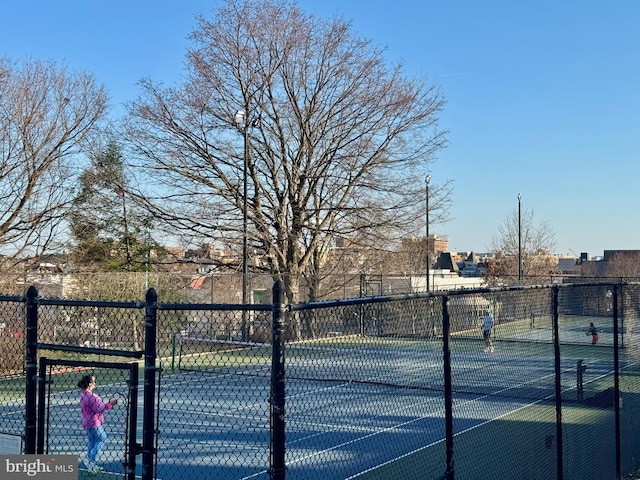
{"type": "Point", "coordinates": [120, 397]}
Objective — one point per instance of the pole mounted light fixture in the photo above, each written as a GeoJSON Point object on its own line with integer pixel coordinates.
{"type": "Point", "coordinates": [240, 119]}
{"type": "Point", "coordinates": [244, 123]}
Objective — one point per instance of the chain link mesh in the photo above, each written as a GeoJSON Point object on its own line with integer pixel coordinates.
{"type": "Point", "coordinates": [367, 388]}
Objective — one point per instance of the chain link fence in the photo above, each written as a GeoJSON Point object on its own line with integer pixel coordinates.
{"type": "Point", "coordinates": [386, 386]}
{"type": "Point", "coordinates": [220, 288]}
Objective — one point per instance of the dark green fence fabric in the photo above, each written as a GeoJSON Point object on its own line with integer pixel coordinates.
{"type": "Point", "coordinates": [400, 386]}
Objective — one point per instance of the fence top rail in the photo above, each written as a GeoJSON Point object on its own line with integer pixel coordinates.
{"type": "Point", "coordinates": [306, 305]}
{"type": "Point", "coordinates": [440, 294]}
{"type": "Point", "coordinates": [12, 298]}
{"type": "Point", "coordinates": [90, 363]}
{"type": "Point", "coordinates": [359, 301]}
{"type": "Point", "coordinates": [86, 350]}
{"type": "Point", "coordinates": [91, 303]}
{"type": "Point", "coordinates": [263, 307]}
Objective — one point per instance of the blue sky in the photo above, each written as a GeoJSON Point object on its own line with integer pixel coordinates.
{"type": "Point", "coordinates": [543, 98]}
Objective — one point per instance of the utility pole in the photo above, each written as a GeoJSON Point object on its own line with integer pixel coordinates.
{"type": "Point", "coordinates": [519, 239]}
{"type": "Point", "coordinates": [428, 246]}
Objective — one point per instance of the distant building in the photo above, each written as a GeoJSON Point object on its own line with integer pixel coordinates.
{"type": "Point", "coordinates": [442, 279]}
{"type": "Point", "coordinates": [446, 261]}
{"type": "Point", "coordinates": [569, 265]}
{"type": "Point", "coordinates": [473, 265]}
{"type": "Point", "coordinates": [627, 254]}
{"type": "Point", "coordinates": [439, 244]}
{"type": "Point", "coordinates": [614, 263]}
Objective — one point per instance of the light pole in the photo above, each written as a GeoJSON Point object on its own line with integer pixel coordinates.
{"type": "Point", "coordinates": [426, 183]}
{"type": "Point", "coordinates": [519, 239]}
{"type": "Point", "coordinates": [243, 125]}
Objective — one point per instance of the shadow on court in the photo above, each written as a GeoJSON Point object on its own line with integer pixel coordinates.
{"type": "Point", "coordinates": [84, 474]}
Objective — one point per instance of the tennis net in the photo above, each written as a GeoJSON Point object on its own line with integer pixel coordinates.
{"type": "Point", "coordinates": [516, 370]}
{"type": "Point", "coordinates": [202, 354]}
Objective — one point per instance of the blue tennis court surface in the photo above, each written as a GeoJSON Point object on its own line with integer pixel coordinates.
{"type": "Point", "coordinates": [219, 422]}
{"type": "Point", "coordinates": [343, 423]}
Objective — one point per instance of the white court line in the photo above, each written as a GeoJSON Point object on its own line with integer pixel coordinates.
{"type": "Point", "coordinates": [404, 424]}
{"type": "Point", "coordinates": [478, 425]}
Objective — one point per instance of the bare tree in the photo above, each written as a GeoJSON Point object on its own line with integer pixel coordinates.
{"type": "Point", "coordinates": [621, 265]}
{"type": "Point", "coordinates": [334, 140]}
{"type": "Point", "coordinates": [46, 113]}
{"type": "Point", "coordinates": [521, 238]}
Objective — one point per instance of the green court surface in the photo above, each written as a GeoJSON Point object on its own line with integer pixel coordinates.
{"type": "Point", "coordinates": [84, 474]}
{"type": "Point", "coordinates": [523, 443]}
{"type": "Point", "coordinates": [532, 430]}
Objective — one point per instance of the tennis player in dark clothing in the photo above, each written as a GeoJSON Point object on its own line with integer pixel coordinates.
{"type": "Point", "coordinates": [593, 331]}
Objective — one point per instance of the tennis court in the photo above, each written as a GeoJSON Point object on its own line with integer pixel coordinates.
{"type": "Point", "coordinates": [371, 396]}
{"type": "Point", "coordinates": [372, 389]}
{"type": "Point", "coordinates": [353, 404]}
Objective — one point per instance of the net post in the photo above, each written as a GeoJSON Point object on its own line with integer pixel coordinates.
{"type": "Point", "coordinates": [174, 344]}
{"type": "Point", "coordinates": [277, 464]}
{"type": "Point", "coordinates": [580, 368]}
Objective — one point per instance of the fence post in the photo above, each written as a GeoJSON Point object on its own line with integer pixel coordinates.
{"type": "Point", "coordinates": [361, 308]}
{"type": "Point", "coordinates": [148, 409]}
{"type": "Point", "coordinates": [448, 389]}
{"type": "Point", "coordinates": [616, 377]}
{"type": "Point", "coordinates": [558, 384]}
{"type": "Point", "coordinates": [277, 465]}
{"type": "Point", "coordinates": [31, 370]}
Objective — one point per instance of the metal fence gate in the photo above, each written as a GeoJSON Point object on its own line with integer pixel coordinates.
{"type": "Point", "coordinates": [58, 426]}
{"type": "Point", "coordinates": [52, 416]}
